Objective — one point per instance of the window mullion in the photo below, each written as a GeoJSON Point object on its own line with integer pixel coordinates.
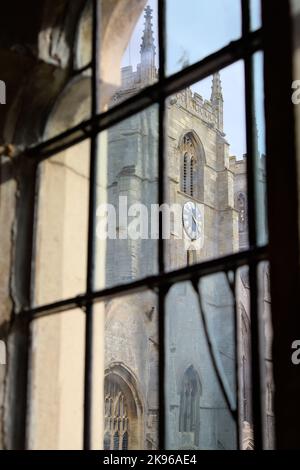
{"type": "Point", "coordinates": [89, 309]}
{"type": "Point", "coordinates": [161, 244]}
{"type": "Point", "coordinates": [252, 228]}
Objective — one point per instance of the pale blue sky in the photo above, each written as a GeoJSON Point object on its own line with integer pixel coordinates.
{"type": "Point", "coordinates": [196, 28]}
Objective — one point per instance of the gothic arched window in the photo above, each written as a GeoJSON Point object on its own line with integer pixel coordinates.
{"type": "Point", "coordinates": [241, 206]}
{"type": "Point", "coordinates": [190, 154]}
{"type": "Point", "coordinates": [190, 404]}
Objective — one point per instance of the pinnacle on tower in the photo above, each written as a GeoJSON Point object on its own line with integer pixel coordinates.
{"type": "Point", "coordinates": [148, 38]}
{"type": "Point", "coordinates": [217, 99]}
{"type": "Point", "coordinates": [216, 89]}
{"type": "Point", "coordinates": [148, 48]}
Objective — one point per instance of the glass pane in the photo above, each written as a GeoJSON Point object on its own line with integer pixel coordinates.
{"type": "Point", "coordinates": [72, 105]}
{"type": "Point", "coordinates": [255, 14]}
{"type": "Point", "coordinates": [71, 97]}
{"type": "Point", "coordinates": [131, 372]}
{"type": "Point", "coordinates": [268, 385]}
{"type": "Point", "coordinates": [260, 149]}
{"type": "Point", "coordinates": [128, 61]}
{"type": "Point", "coordinates": [245, 361]}
{"type": "Point", "coordinates": [244, 358]}
{"type": "Point", "coordinates": [129, 48]}
{"type": "Point", "coordinates": [130, 57]}
{"type": "Point", "coordinates": [127, 215]}
{"type": "Point", "coordinates": [207, 179]}
{"type": "Point", "coordinates": [197, 414]}
{"type": "Point", "coordinates": [56, 379]}
{"type": "Point", "coordinates": [196, 29]}
{"type": "Point", "coordinates": [61, 225]}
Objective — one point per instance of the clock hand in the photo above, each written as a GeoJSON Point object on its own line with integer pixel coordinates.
{"type": "Point", "coordinates": [195, 220]}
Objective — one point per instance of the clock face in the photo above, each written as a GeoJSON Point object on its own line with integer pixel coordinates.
{"type": "Point", "coordinates": [192, 220]}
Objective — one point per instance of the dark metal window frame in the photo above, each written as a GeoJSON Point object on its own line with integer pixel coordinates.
{"type": "Point", "coordinates": [241, 49]}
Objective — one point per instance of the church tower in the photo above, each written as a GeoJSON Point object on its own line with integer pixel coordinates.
{"type": "Point", "coordinates": [202, 181]}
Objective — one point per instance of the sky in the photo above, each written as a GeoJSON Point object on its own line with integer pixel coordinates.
{"type": "Point", "coordinates": [195, 29]}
